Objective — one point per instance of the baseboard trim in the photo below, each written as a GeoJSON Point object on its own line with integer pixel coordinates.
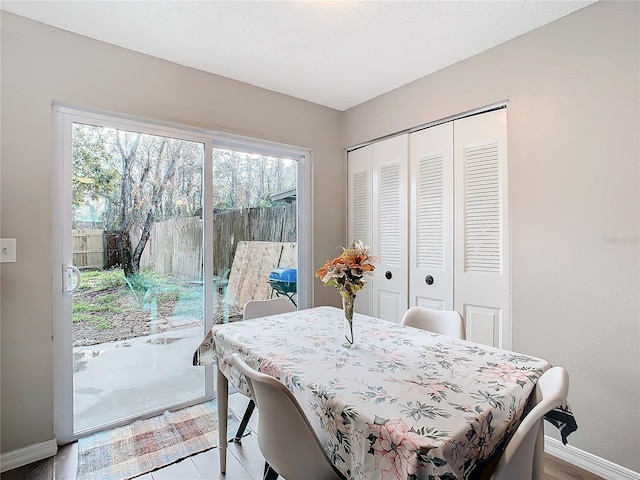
{"type": "Point", "coordinates": [587, 461]}
{"type": "Point", "coordinates": [27, 455]}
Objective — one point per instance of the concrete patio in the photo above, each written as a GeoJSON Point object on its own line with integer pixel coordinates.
{"type": "Point", "coordinates": [118, 380]}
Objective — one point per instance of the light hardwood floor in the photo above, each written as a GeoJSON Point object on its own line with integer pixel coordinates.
{"type": "Point", "coordinates": [244, 462]}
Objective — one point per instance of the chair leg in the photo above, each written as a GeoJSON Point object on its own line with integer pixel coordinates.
{"type": "Point", "coordinates": [269, 473]}
{"type": "Point", "coordinates": [245, 420]}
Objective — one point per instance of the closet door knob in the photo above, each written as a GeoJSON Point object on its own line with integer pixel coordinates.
{"type": "Point", "coordinates": [428, 279]}
{"type": "Point", "coordinates": [388, 275]}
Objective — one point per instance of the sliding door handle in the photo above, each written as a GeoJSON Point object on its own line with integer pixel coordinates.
{"type": "Point", "coordinates": [69, 273]}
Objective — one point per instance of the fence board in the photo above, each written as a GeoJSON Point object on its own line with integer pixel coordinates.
{"type": "Point", "coordinates": [87, 248]}
{"type": "Point", "coordinates": [251, 267]}
{"type": "Point", "coordinates": [289, 255]}
{"type": "Point", "coordinates": [174, 248]}
{"type": "Point", "coordinates": [112, 249]}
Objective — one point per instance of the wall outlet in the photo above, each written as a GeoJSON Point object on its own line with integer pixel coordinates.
{"type": "Point", "coordinates": [7, 250]}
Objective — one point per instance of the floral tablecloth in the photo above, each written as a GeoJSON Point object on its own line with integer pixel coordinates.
{"type": "Point", "coordinates": [403, 404]}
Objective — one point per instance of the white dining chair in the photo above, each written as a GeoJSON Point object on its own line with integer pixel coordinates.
{"type": "Point", "coordinates": [285, 437]}
{"type": "Point", "coordinates": [255, 309]}
{"type": "Point", "coordinates": [517, 459]}
{"type": "Point", "coordinates": [265, 308]}
{"type": "Point", "coordinates": [445, 322]}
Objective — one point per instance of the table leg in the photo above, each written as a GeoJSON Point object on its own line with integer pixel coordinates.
{"type": "Point", "coordinates": [222, 387]}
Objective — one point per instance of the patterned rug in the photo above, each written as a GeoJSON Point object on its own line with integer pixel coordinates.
{"type": "Point", "coordinates": [148, 445]}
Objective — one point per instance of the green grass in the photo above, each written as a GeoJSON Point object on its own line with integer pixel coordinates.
{"type": "Point", "coordinates": [113, 294]}
{"type": "Point", "coordinates": [98, 312]}
{"type": "Point", "coordinates": [86, 313]}
{"type": "Point", "coordinates": [97, 280]}
{"type": "Point", "coordinates": [143, 281]}
{"type": "Point", "coordinates": [147, 280]}
{"type": "Point", "coordinates": [101, 323]}
{"type": "Point", "coordinates": [170, 296]}
{"type": "Point", "coordinates": [109, 298]}
{"type": "Point", "coordinates": [80, 306]}
{"type": "Point", "coordinates": [190, 302]}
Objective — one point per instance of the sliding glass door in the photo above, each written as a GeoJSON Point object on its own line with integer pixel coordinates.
{"type": "Point", "coordinates": [134, 271]}
{"type": "Point", "coordinates": [162, 232]}
{"type": "Point", "coordinates": [254, 227]}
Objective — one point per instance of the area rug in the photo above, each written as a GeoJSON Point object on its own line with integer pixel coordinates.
{"type": "Point", "coordinates": [148, 445]}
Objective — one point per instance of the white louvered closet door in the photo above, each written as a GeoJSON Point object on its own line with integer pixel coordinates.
{"type": "Point", "coordinates": [390, 213]}
{"type": "Point", "coordinates": [431, 218]}
{"type": "Point", "coordinates": [360, 200]}
{"type": "Point", "coordinates": [481, 277]}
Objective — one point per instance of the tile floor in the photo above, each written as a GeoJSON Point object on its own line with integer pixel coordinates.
{"type": "Point", "coordinates": [244, 462]}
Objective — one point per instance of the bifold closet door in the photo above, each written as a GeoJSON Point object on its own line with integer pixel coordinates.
{"type": "Point", "coordinates": [481, 271]}
{"type": "Point", "coordinates": [431, 218]}
{"type": "Point", "coordinates": [390, 229]}
{"type": "Point", "coordinates": [360, 202]}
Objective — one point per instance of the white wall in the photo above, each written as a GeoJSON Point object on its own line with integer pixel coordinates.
{"type": "Point", "coordinates": [41, 64]}
{"type": "Point", "coordinates": [573, 132]}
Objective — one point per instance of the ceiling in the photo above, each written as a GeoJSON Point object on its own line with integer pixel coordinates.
{"type": "Point", "coordinates": [334, 53]}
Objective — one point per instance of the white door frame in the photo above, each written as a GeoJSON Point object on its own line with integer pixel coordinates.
{"type": "Point", "coordinates": [304, 200]}
{"type": "Point", "coordinates": [64, 117]}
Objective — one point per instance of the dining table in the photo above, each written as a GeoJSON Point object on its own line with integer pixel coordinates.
{"type": "Point", "coordinates": [401, 403]}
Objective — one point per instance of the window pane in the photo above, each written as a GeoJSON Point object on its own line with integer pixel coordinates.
{"type": "Point", "coordinates": [255, 222]}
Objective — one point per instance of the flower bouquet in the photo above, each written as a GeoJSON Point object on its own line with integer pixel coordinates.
{"type": "Point", "coordinates": [348, 273]}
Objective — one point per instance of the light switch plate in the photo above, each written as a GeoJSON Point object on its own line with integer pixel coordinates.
{"type": "Point", "coordinates": [7, 250]}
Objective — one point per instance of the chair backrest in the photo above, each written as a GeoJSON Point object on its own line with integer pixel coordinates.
{"type": "Point", "coordinates": [285, 436]}
{"type": "Point", "coordinates": [517, 459]}
{"type": "Point", "coordinates": [445, 322]}
{"type": "Point", "coordinates": [264, 308]}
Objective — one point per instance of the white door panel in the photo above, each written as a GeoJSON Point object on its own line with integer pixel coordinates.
{"type": "Point", "coordinates": [431, 218]}
{"type": "Point", "coordinates": [483, 324]}
{"type": "Point", "coordinates": [389, 305]}
{"type": "Point", "coordinates": [360, 191]}
{"type": "Point", "coordinates": [481, 276]}
{"type": "Point", "coordinates": [430, 303]}
{"type": "Point", "coordinates": [390, 227]}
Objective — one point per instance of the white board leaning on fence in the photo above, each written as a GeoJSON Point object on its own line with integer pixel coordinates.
{"type": "Point", "coordinates": [252, 264]}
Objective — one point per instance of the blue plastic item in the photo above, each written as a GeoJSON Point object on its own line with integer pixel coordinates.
{"type": "Point", "coordinates": [285, 275]}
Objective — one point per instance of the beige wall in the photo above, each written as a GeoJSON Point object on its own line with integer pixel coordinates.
{"type": "Point", "coordinates": [573, 131]}
{"type": "Point", "coordinates": [42, 64]}
{"type": "Point", "coordinates": [573, 92]}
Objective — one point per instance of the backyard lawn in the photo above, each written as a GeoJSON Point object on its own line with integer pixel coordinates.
{"type": "Point", "coordinates": [109, 307]}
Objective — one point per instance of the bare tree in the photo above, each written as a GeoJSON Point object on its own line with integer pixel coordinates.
{"type": "Point", "coordinates": [247, 180]}
{"type": "Point", "coordinates": [144, 181]}
{"type": "Point", "coordinates": [128, 156]}
{"type": "Point", "coordinates": [156, 199]}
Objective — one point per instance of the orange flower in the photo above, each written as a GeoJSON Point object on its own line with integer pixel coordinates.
{"type": "Point", "coordinates": [347, 271]}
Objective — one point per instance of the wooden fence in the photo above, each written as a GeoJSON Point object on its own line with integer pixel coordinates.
{"type": "Point", "coordinates": [87, 248]}
{"type": "Point", "coordinates": [175, 246]}
{"type": "Point", "coordinates": [274, 224]}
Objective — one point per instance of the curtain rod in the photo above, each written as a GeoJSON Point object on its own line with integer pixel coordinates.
{"type": "Point", "coordinates": [469, 113]}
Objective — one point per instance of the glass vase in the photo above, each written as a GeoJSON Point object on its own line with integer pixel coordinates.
{"type": "Point", "coordinates": [348, 301]}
